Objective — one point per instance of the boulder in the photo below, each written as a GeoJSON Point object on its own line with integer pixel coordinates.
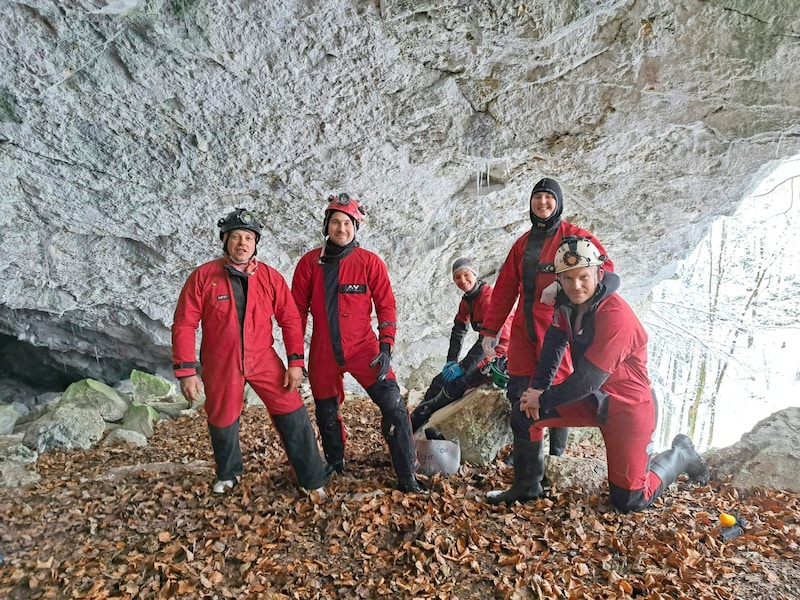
{"type": "Point", "coordinates": [94, 395]}
{"type": "Point", "coordinates": [148, 387]}
{"type": "Point", "coordinates": [14, 465]}
{"type": "Point", "coordinates": [123, 437]}
{"type": "Point", "coordinates": [767, 456]}
{"type": "Point", "coordinates": [140, 418]}
{"type": "Point", "coordinates": [479, 421]}
{"type": "Point", "coordinates": [8, 418]}
{"type": "Point", "coordinates": [589, 474]}
{"type": "Point", "coordinates": [170, 408]}
{"type": "Point", "coordinates": [67, 427]}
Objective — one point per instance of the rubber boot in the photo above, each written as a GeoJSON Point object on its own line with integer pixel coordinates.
{"type": "Point", "coordinates": [423, 412]}
{"type": "Point", "coordinates": [681, 458]}
{"type": "Point", "coordinates": [559, 436]}
{"type": "Point", "coordinates": [331, 430]}
{"type": "Point", "coordinates": [528, 473]}
{"type": "Point", "coordinates": [301, 448]}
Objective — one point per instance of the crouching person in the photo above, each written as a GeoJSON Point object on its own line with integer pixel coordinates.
{"type": "Point", "coordinates": [235, 299]}
{"type": "Point", "coordinates": [609, 389]}
{"type": "Point", "coordinates": [459, 376]}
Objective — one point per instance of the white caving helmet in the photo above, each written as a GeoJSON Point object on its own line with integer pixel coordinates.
{"type": "Point", "coordinates": [575, 252]}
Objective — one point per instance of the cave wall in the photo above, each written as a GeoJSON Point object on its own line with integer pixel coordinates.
{"type": "Point", "coordinates": [128, 127]}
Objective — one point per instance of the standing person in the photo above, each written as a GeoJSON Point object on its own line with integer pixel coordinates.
{"type": "Point", "coordinates": [458, 376]}
{"type": "Point", "coordinates": [525, 275]}
{"type": "Point", "coordinates": [235, 298]}
{"type": "Point", "coordinates": [339, 284]}
{"type": "Point", "coordinates": [609, 389]}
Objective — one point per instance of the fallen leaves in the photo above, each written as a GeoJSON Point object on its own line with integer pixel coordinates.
{"type": "Point", "coordinates": [143, 524]}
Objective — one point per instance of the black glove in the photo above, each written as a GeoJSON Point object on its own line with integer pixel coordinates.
{"type": "Point", "coordinates": [382, 360]}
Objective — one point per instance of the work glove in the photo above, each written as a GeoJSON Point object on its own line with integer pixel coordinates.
{"type": "Point", "coordinates": [382, 360]}
{"type": "Point", "coordinates": [488, 345]}
{"type": "Point", "coordinates": [549, 294]}
{"type": "Point", "coordinates": [452, 370]}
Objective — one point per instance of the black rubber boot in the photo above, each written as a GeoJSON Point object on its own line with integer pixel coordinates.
{"type": "Point", "coordinates": [423, 412]}
{"type": "Point", "coordinates": [301, 448]}
{"type": "Point", "coordinates": [559, 436]}
{"type": "Point", "coordinates": [681, 458]}
{"type": "Point", "coordinates": [331, 430]}
{"type": "Point", "coordinates": [528, 473]}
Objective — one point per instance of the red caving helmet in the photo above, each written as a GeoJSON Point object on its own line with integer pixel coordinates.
{"type": "Point", "coordinates": [343, 203]}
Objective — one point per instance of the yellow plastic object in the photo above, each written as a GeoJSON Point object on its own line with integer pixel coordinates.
{"type": "Point", "coordinates": [727, 520]}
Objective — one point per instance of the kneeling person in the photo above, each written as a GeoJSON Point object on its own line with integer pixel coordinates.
{"type": "Point", "coordinates": [609, 389]}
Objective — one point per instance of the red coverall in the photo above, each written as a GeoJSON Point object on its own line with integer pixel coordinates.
{"type": "Point", "coordinates": [473, 313]}
{"type": "Point", "coordinates": [340, 296]}
{"type": "Point", "coordinates": [229, 358]}
{"type": "Point", "coordinates": [440, 393]}
{"type": "Point", "coordinates": [363, 281]}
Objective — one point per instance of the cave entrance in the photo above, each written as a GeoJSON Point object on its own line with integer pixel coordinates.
{"type": "Point", "coordinates": [34, 367]}
{"type": "Point", "coordinates": [724, 330]}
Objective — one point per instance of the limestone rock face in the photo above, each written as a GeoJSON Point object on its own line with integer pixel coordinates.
{"type": "Point", "coordinates": [128, 128]}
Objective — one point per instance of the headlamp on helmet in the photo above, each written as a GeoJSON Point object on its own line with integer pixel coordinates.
{"type": "Point", "coordinates": [241, 218]}
{"type": "Point", "coordinates": [576, 252]}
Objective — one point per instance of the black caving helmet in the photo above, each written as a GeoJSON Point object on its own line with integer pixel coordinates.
{"type": "Point", "coordinates": [241, 218]}
{"type": "Point", "coordinates": [551, 186]}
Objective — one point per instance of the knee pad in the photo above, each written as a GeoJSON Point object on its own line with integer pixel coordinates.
{"type": "Point", "coordinates": [627, 500]}
{"type": "Point", "coordinates": [394, 413]}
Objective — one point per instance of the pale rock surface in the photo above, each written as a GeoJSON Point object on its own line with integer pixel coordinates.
{"type": "Point", "coordinates": [66, 427]}
{"type": "Point", "coordinates": [172, 408]}
{"type": "Point", "coordinates": [91, 394]}
{"type": "Point", "coordinates": [767, 456]}
{"type": "Point", "coordinates": [124, 437]}
{"type": "Point", "coordinates": [140, 418]}
{"type": "Point", "coordinates": [588, 474]}
{"type": "Point", "coordinates": [127, 128]}
{"type": "Point", "coordinates": [8, 418]}
{"type": "Point", "coordinates": [15, 461]}
{"type": "Point", "coordinates": [145, 386]}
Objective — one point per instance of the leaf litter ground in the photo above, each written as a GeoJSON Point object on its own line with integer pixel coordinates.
{"type": "Point", "coordinates": [129, 522]}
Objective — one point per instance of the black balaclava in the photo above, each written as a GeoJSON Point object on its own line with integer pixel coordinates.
{"type": "Point", "coordinates": [552, 222]}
